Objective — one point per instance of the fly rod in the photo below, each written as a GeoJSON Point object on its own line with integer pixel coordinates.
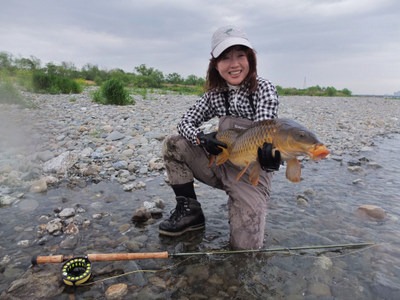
{"type": "Point", "coordinates": [36, 260]}
{"type": "Point", "coordinates": [76, 270]}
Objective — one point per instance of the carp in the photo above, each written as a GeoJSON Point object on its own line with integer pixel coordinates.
{"type": "Point", "coordinates": [290, 138]}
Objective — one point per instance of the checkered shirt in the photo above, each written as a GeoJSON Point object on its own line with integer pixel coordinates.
{"type": "Point", "coordinates": [212, 104]}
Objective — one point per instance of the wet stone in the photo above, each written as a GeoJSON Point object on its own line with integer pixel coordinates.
{"type": "Point", "coordinates": [69, 242]}
{"type": "Point", "coordinates": [355, 169]}
{"type": "Point", "coordinates": [141, 215]}
{"type": "Point", "coordinates": [71, 229]}
{"type": "Point", "coordinates": [358, 181]}
{"type": "Point", "coordinates": [67, 212]}
{"type": "Point", "coordinates": [124, 228]}
{"type": "Point", "coordinates": [116, 291]}
{"type": "Point", "coordinates": [319, 289]}
{"type": "Point", "coordinates": [302, 200]}
{"type": "Point", "coordinates": [372, 211]}
{"type": "Point", "coordinates": [28, 205]}
{"type": "Point", "coordinates": [323, 262]}
{"type": "Point", "coordinates": [54, 226]}
{"type": "Point", "coordinates": [38, 186]}
{"type": "Point", "coordinates": [133, 245]}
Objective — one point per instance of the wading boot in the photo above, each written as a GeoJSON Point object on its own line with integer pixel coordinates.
{"type": "Point", "coordinates": [187, 216]}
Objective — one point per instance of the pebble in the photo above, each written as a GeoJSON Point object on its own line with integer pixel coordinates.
{"type": "Point", "coordinates": [67, 212]}
{"type": "Point", "coordinates": [302, 200]}
{"type": "Point", "coordinates": [319, 289]}
{"type": "Point", "coordinates": [54, 225]}
{"type": "Point", "coordinates": [323, 262]}
{"type": "Point", "coordinates": [38, 186]}
{"type": "Point", "coordinates": [28, 205]}
{"type": "Point", "coordinates": [116, 291]}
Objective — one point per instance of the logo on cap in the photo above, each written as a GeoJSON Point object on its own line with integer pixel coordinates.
{"type": "Point", "coordinates": [228, 32]}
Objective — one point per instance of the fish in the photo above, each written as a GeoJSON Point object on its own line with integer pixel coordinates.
{"type": "Point", "coordinates": [287, 136]}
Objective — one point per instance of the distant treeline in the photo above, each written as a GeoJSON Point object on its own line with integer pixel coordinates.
{"type": "Point", "coordinates": [67, 78]}
{"type": "Point", "coordinates": [313, 91]}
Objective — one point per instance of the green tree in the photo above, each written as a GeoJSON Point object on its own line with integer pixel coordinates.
{"type": "Point", "coordinates": [174, 78]}
{"type": "Point", "coordinates": [330, 91]}
{"type": "Point", "coordinates": [194, 80]}
{"type": "Point", "coordinates": [93, 73]}
{"type": "Point", "coordinates": [148, 77]}
{"type": "Point", "coordinates": [6, 61]}
{"type": "Point", "coordinates": [23, 63]}
{"type": "Point", "coordinates": [346, 92]}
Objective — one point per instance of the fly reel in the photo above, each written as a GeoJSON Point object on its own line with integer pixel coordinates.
{"type": "Point", "coordinates": [76, 271]}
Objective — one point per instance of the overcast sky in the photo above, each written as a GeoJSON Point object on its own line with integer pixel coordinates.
{"type": "Point", "coordinates": [352, 44]}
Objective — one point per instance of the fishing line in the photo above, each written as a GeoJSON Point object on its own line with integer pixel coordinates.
{"type": "Point", "coordinates": [136, 271]}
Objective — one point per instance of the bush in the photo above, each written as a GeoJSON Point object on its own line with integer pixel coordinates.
{"type": "Point", "coordinates": [112, 92]}
{"type": "Point", "coordinates": [54, 84]}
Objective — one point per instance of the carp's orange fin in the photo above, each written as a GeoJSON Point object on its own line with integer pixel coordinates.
{"type": "Point", "coordinates": [293, 170]}
{"type": "Point", "coordinates": [242, 172]}
{"type": "Point", "coordinates": [222, 157]}
{"type": "Point", "coordinates": [211, 160]}
{"type": "Point", "coordinates": [254, 175]}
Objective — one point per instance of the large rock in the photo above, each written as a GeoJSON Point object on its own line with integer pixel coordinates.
{"type": "Point", "coordinates": [371, 211]}
{"type": "Point", "coordinates": [36, 284]}
{"type": "Point", "coordinates": [61, 163]}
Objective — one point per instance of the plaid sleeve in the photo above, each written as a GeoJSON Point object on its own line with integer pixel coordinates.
{"type": "Point", "coordinates": [199, 113]}
{"type": "Point", "coordinates": [268, 102]}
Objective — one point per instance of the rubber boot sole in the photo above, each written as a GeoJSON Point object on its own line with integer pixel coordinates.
{"type": "Point", "coordinates": [178, 233]}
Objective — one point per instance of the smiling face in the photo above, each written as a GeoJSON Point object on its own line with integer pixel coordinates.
{"type": "Point", "coordinates": [233, 65]}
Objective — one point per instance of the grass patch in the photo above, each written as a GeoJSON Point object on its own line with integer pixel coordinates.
{"type": "Point", "coordinates": [9, 94]}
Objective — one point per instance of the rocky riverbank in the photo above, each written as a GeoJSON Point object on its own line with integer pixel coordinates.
{"type": "Point", "coordinates": [68, 137]}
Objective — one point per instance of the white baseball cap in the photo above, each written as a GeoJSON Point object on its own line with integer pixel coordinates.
{"type": "Point", "coordinates": [226, 37]}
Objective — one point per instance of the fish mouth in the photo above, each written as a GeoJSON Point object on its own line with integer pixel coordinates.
{"type": "Point", "coordinates": [318, 152]}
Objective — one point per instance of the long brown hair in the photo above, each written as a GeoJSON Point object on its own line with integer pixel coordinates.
{"type": "Point", "coordinates": [214, 81]}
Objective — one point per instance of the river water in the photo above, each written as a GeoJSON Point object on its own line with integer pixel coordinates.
{"type": "Point", "coordinates": [320, 210]}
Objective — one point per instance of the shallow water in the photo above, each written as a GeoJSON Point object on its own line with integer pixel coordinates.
{"type": "Point", "coordinates": [327, 216]}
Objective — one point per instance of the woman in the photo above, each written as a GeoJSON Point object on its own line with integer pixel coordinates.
{"type": "Point", "coordinates": [238, 97]}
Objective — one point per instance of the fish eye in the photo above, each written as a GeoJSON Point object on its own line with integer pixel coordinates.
{"type": "Point", "coordinates": [302, 134]}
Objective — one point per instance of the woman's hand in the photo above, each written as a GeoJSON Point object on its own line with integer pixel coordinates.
{"type": "Point", "coordinates": [267, 160]}
{"type": "Point", "coordinates": [210, 143]}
